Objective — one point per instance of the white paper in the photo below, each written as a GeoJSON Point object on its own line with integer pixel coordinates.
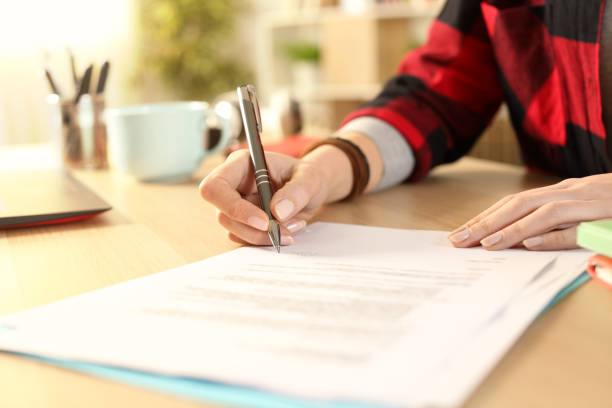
{"type": "Point", "coordinates": [469, 364]}
{"type": "Point", "coordinates": [350, 313]}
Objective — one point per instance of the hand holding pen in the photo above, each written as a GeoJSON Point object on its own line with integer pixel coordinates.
{"type": "Point", "coordinates": [304, 185]}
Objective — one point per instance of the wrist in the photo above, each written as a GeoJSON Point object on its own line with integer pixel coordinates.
{"type": "Point", "coordinates": [371, 153]}
{"type": "Point", "coordinates": [335, 168]}
{"type": "Point", "coordinates": [351, 155]}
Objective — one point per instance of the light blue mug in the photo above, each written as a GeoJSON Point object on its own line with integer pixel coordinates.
{"type": "Point", "coordinates": [162, 141]}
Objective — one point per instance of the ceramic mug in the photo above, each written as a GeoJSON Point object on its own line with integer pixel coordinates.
{"type": "Point", "coordinates": [162, 141]}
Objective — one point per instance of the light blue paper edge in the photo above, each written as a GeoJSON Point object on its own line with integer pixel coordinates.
{"type": "Point", "coordinates": [214, 392]}
{"type": "Point", "coordinates": [572, 286]}
{"type": "Point", "coordinates": [195, 389]}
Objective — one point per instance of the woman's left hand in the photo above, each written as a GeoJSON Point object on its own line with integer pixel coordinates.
{"type": "Point", "coordinates": [540, 219]}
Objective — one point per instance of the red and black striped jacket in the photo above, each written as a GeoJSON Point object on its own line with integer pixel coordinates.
{"type": "Point", "coordinates": [541, 57]}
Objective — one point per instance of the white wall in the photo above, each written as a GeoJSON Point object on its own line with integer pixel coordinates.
{"type": "Point", "coordinates": [95, 30]}
{"type": "Point", "coordinates": [33, 29]}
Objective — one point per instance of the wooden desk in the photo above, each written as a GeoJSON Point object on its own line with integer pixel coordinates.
{"type": "Point", "coordinates": [564, 359]}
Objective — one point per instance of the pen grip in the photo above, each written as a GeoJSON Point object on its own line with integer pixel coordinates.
{"type": "Point", "coordinates": [264, 188]}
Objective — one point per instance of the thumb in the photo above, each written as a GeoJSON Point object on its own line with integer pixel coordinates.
{"type": "Point", "coordinates": [305, 191]}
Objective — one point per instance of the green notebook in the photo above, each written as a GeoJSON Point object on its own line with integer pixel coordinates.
{"type": "Point", "coordinates": [596, 236]}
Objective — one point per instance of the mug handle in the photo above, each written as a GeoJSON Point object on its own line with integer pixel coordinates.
{"type": "Point", "coordinates": [225, 139]}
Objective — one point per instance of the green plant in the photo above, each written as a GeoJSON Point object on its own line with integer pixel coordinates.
{"type": "Point", "coordinates": [302, 52]}
{"type": "Point", "coordinates": [412, 45]}
{"type": "Point", "coordinates": [185, 43]}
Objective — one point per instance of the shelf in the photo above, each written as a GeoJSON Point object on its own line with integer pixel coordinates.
{"type": "Point", "coordinates": [359, 52]}
{"type": "Point", "coordinates": [338, 92]}
{"type": "Point", "coordinates": [318, 16]}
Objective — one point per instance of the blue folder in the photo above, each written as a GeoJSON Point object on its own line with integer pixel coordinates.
{"type": "Point", "coordinates": [227, 394]}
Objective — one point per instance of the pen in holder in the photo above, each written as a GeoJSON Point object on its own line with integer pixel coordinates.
{"type": "Point", "coordinates": [82, 140]}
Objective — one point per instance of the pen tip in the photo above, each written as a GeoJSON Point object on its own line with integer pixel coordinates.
{"type": "Point", "coordinates": [275, 235]}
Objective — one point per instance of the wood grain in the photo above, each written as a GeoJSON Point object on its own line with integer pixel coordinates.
{"type": "Point", "coordinates": [564, 359]}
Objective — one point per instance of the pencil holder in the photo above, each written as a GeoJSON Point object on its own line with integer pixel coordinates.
{"type": "Point", "coordinates": [71, 147]}
{"type": "Point", "coordinates": [82, 140]}
{"type": "Point", "coordinates": [100, 152]}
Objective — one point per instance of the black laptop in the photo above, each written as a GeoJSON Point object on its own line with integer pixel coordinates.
{"type": "Point", "coordinates": [45, 197]}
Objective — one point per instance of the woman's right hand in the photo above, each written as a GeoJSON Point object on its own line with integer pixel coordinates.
{"type": "Point", "coordinates": [303, 185]}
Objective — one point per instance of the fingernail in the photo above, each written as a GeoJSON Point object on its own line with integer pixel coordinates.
{"type": "Point", "coordinates": [258, 223]}
{"type": "Point", "coordinates": [286, 240]}
{"type": "Point", "coordinates": [457, 229]}
{"type": "Point", "coordinates": [460, 236]}
{"type": "Point", "coordinates": [492, 239]}
{"type": "Point", "coordinates": [533, 242]}
{"type": "Point", "coordinates": [296, 226]}
{"type": "Point", "coordinates": [284, 208]}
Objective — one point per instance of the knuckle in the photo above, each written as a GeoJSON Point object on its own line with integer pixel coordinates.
{"type": "Point", "coordinates": [236, 210]}
{"type": "Point", "coordinates": [517, 230]}
{"type": "Point", "coordinates": [225, 222]}
{"type": "Point", "coordinates": [237, 155]}
{"type": "Point", "coordinates": [511, 197]}
{"type": "Point", "coordinates": [568, 182]}
{"type": "Point", "coordinates": [232, 237]}
{"type": "Point", "coordinates": [556, 240]}
{"type": "Point", "coordinates": [508, 199]}
{"type": "Point", "coordinates": [551, 211]}
{"type": "Point", "coordinates": [519, 202]}
{"type": "Point", "coordinates": [247, 237]}
{"type": "Point", "coordinates": [206, 188]}
{"type": "Point", "coordinates": [220, 217]}
{"type": "Point", "coordinates": [579, 185]}
{"type": "Point", "coordinates": [553, 241]}
{"type": "Point", "coordinates": [481, 227]}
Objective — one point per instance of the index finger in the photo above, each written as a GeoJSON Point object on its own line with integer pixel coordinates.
{"type": "Point", "coordinates": [503, 201]}
{"type": "Point", "coordinates": [221, 189]}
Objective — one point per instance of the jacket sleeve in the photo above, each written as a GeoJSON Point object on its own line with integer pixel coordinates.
{"type": "Point", "coordinates": [445, 92]}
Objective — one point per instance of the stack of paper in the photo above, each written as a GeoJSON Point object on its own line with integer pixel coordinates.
{"type": "Point", "coordinates": [348, 314]}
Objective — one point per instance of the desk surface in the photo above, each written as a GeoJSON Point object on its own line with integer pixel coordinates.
{"type": "Point", "coordinates": [564, 359]}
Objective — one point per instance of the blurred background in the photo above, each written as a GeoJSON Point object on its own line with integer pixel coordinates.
{"type": "Point", "coordinates": [325, 56]}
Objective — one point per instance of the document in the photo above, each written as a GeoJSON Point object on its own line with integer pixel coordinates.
{"type": "Point", "coordinates": [348, 313]}
{"type": "Point", "coordinates": [460, 373]}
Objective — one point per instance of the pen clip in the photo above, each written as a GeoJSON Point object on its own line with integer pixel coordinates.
{"type": "Point", "coordinates": [253, 99]}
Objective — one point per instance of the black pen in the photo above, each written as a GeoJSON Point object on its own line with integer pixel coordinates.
{"type": "Point", "coordinates": [52, 84]}
{"type": "Point", "coordinates": [102, 78]}
{"type": "Point", "coordinates": [251, 118]}
{"type": "Point", "coordinates": [84, 85]}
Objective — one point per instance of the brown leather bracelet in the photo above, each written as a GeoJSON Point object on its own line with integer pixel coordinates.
{"type": "Point", "coordinates": [359, 163]}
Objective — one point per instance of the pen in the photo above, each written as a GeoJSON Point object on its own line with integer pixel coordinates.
{"type": "Point", "coordinates": [75, 77]}
{"type": "Point", "coordinates": [54, 88]}
{"type": "Point", "coordinates": [251, 118]}
{"type": "Point", "coordinates": [84, 85]}
{"type": "Point", "coordinates": [102, 78]}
